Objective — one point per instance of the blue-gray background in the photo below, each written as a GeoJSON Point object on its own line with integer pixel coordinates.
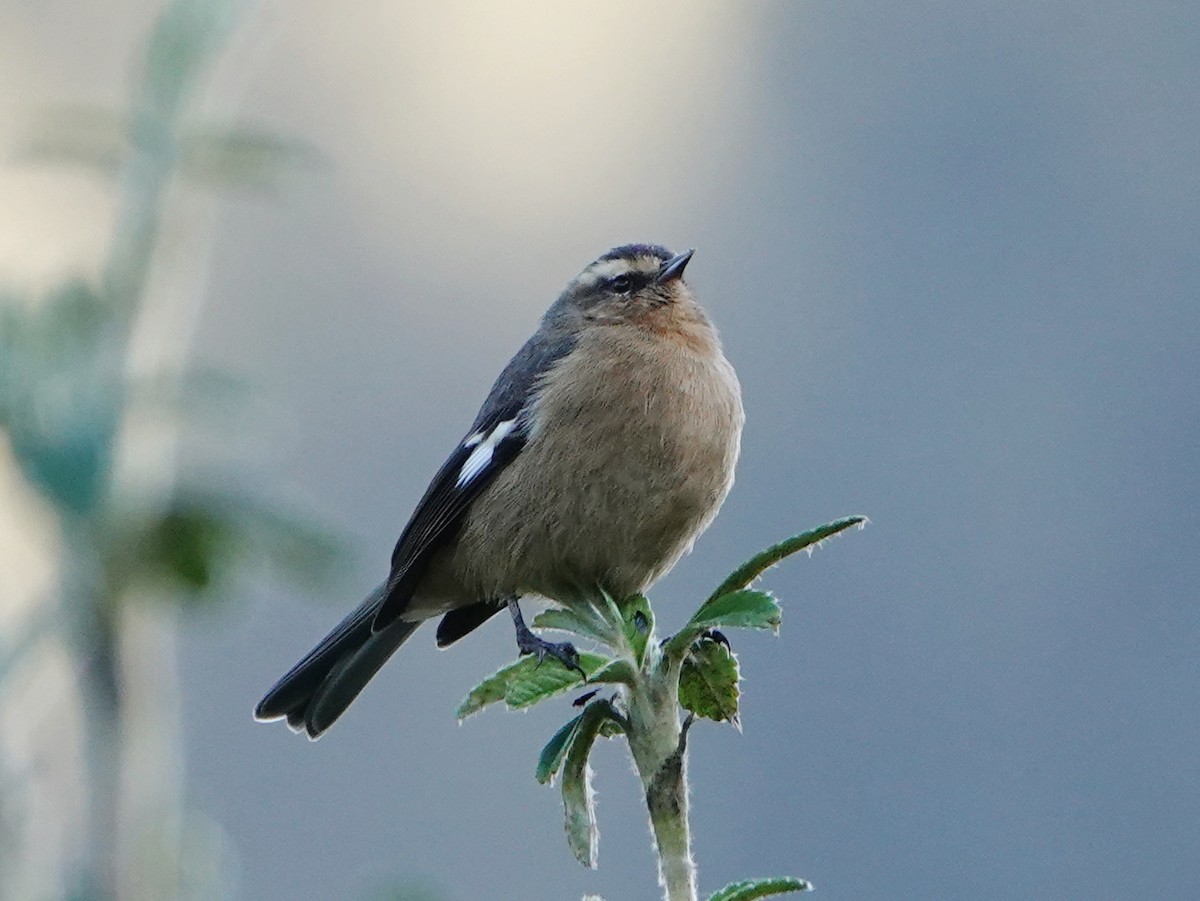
{"type": "Point", "coordinates": [953, 251]}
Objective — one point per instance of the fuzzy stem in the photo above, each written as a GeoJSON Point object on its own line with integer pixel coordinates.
{"type": "Point", "coordinates": [658, 743]}
{"type": "Point", "coordinates": [667, 802]}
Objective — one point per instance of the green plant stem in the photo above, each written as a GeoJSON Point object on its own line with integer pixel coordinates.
{"type": "Point", "coordinates": [667, 803]}
{"type": "Point", "coordinates": [181, 46]}
{"type": "Point", "coordinates": [89, 634]}
{"type": "Point", "coordinates": [647, 706]}
{"type": "Point", "coordinates": [658, 743]}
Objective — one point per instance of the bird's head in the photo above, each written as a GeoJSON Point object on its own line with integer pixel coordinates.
{"type": "Point", "coordinates": [629, 283]}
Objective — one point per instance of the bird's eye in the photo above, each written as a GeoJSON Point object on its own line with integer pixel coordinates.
{"type": "Point", "coordinates": [620, 284]}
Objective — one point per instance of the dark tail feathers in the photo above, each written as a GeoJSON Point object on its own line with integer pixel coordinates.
{"type": "Point", "coordinates": [318, 689]}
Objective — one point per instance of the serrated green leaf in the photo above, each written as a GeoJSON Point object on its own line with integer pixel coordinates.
{"type": "Point", "coordinates": [578, 810]}
{"type": "Point", "coordinates": [758, 564]}
{"type": "Point", "coordinates": [745, 609]}
{"type": "Point", "coordinates": [639, 625]}
{"type": "Point", "coordinates": [547, 679]}
{"type": "Point", "coordinates": [619, 671]}
{"type": "Point", "coordinates": [610, 610]}
{"type": "Point", "coordinates": [491, 689]}
{"type": "Point", "coordinates": [749, 889]}
{"type": "Point", "coordinates": [579, 622]}
{"type": "Point", "coordinates": [524, 682]}
{"type": "Point", "coordinates": [556, 749]}
{"type": "Point", "coordinates": [708, 682]}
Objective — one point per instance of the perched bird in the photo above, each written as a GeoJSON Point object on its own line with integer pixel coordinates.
{"type": "Point", "coordinates": [604, 449]}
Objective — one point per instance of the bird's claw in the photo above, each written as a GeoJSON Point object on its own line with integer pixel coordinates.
{"type": "Point", "coordinates": [529, 642]}
{"type": "Point", "coordinates": [562, 651]}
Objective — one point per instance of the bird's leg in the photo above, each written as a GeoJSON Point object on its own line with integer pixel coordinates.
{"type": "Point", "coordinates": [529, 643]}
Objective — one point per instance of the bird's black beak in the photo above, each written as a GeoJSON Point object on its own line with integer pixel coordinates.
{"type": "Point", "coordinates": [673, 268]}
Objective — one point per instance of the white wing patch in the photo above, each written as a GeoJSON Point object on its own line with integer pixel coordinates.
{"type": "Point", "coordinates": [481, 456]}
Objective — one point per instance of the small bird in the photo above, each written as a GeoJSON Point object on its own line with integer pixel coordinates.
{"type": "Point", "coordinates": [603, 450]}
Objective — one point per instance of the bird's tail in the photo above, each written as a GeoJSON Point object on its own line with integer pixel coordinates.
{"type": "Point", "coordinates": [318, 689]}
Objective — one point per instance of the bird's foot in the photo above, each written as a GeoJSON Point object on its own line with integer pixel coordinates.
{"type": "Point", "coordinates": [528, 642]}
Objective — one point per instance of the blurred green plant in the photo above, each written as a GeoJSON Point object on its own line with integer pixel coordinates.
{"type": "Point", "coordinates": [692, 671]}
{"type": "Point", "coordinates": [66, 396]}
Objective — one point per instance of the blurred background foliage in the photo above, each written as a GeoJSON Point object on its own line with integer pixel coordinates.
{"type": "Point", "coordinates": [132, 544]}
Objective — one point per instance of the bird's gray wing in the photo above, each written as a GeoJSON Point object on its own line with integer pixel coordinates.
{"type": "Point", "coordinates": [476, 461]}
{"type": "Point", "coordinates": [496, 439]}
{"type": "Point", "coordinates": [318, 689]}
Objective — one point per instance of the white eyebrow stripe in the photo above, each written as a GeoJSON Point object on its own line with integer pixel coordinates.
{"type": "Point", "coordinates": [606, 269]}
{"type": "Point", "coordinates": [481, 456]}
{"type": "Point", "coordinates": [609, 268]}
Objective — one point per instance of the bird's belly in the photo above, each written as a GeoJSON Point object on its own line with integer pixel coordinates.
{"type": "Point", "coordinates": [611, 499]}
{"type": "Point", "coordinates": [618, 529]}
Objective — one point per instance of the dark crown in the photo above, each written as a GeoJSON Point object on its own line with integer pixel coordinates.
{"type": "Point", "coordinates": [633, 251]}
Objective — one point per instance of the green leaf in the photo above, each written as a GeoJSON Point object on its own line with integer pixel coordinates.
{"type": "Point", "coordinates": [618, 671]}
{"type": "Point", "coordinates": [188, 546]}
{"type": "Point", "coordinates": [525, 682]}
{"type": "Point", "coordinates": [552, 755]}
{"type": "Point", "coordinates": [551, 758]}
{"type": "Point", "coordinates": [639, 625]}
{"type": "Point", "coordinates": [62, 393]}
{"type": "Point", "coordinates": [547, 679]}
{"type": "Point", "coordinates": [240, 157]}
{"type": "Point", "coordinates": [492, 689]}
{"type": "Point", "coordinates": [193, 390]}
{"type": "Point", "coordinates": [86, 136]}
{"type": "Point", "coordinates": [611, 610]}
{"type": "Point", "coordinates": [708, 682]}
{"type": "Point", "coordinates": [745, 609]}
{"type": "Point", "coordinates": [575, 621]}
{"type": "Point", "coordinates": [760, 563]}
{"type": "Point", "coordinates": [578, 808]}
{"type": "Point", "coordinates": [750, 889]}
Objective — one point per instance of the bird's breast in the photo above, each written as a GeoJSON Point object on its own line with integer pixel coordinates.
{"type": "Point", "coordinates": [632, 449]}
